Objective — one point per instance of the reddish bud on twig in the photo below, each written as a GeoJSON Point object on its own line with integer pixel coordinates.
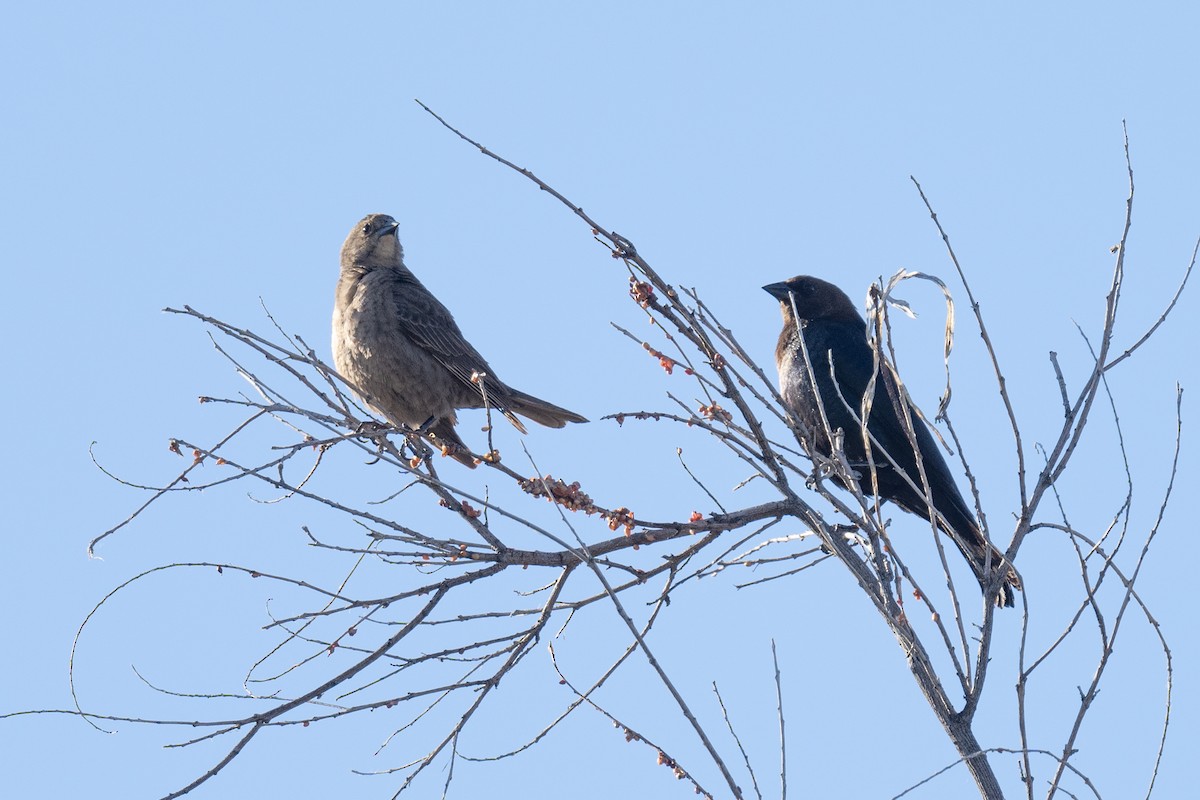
{"type": "Point", "coordinates": [641, 292]}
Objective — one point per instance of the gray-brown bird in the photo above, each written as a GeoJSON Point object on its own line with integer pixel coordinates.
{"type": "Point", "coordinates": [834, 330]}
{"type": "Point", "coordinates": [402, 352]}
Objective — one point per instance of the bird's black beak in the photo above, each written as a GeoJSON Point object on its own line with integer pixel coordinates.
{"type": "Point", "coordinates": [779, 291]}
{"type": "Point", "coordinates": [389, 229]}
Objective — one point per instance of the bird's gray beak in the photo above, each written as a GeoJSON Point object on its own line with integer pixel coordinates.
{"type": "Point", "coordinates": [390, 228]}
{"type": "Point", "coordinates": [779, 291]}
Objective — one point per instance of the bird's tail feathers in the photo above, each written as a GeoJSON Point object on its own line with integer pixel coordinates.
{"type": "Point", "coordinates": [1011, 584]}
{"type": "Point", "coordinates": [539, 411]}
{"type": "Point", "coordinates": [982, 555]}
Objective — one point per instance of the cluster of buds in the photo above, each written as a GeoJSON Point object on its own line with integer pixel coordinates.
{"type": "Point", "coordinates": [556, 490]}
{"type": "Point", "coordinates": [620, 418]}
{"type": "Point", "coordinates": [666, 761]}
{"type": "Point", "coordinates": [619, 517]}
{"type": "Point", "coordinates": [642, 293]}
{"type": "Point", "coordinates": [572, 498]}
{"type": "Point", "coordinates": [715, 412]}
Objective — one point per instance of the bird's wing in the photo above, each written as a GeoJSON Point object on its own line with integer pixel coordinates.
{"type": "Point", "coordinates": [853, 371]}
{"type": "Point", "coordinates": [845, 346]}
{"type": "Point", "coordinates": [853, 367]}
{"type": "Point", "coordinates": [430, 325]}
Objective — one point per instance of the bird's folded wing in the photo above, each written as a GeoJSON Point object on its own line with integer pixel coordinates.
{"type": "Point", "coordinates": [430, 325]}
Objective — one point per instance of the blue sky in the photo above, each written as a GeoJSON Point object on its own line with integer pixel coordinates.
{"type": "Point", "coordinates": [216, 155]}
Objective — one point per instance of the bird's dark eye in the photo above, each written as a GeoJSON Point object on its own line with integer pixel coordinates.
{"type": "Point", "coordinates": [367, 228]}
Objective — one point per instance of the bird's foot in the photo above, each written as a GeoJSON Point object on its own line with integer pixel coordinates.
{"type": "Point", "coordinates": [375, 432]}
{"type": "Point", "coordinates": [421, 451]}
{"type": "Point", "coordinates": [371, 429]}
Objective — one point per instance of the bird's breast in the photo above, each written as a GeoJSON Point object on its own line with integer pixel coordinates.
{"type": "Point", "coordinates": [794, 384]}
{"type": "Point", "coordinates": [392, 373]}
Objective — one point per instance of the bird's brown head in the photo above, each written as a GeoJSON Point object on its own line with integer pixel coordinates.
{"type": "Point", "coordinates": [814, 299]}
{"type": "Point", "coordinates": [373, 242]}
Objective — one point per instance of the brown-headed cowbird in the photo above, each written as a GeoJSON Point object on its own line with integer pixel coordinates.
{"type": "Point", "coordinates": [835, 332]}
{"type": "Point", "coordinates": [402, 352]}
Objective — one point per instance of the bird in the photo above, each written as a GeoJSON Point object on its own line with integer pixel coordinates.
{"type": "Point", "coordinates": [402, 353]}
{"type": "Point", "coordinates": [834, 332]}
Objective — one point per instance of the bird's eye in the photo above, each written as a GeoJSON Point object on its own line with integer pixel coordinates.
{"type": "Point", "coordinates": [367, 228]}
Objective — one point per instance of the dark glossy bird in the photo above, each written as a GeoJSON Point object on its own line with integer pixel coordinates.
{"type": "Point", "coordinates": [404, 355]}
{"type": "Point", "coordinates": [835, 332]}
